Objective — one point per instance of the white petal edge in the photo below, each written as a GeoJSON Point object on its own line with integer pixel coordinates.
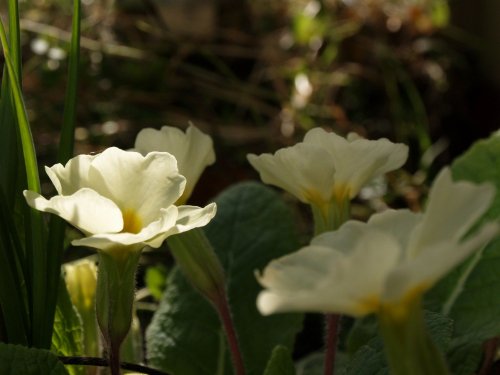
{"type": "Point", "coordinates": [193, 217]}
{"type": "Point", "coordinates": [71, 177]}
{"type": "Point", "coordinates": [303, 170]}
{"type": "Point", "coordinates": [422, 272]}
{"type": "Point", "coordinates": [85, 209]}
{"type": "Point", "coordinates": [451, 210]}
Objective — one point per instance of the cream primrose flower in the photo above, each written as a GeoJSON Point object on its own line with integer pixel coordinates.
{"type": "Point", "coordinates": [121, 199]}
{"type": "Point", "coordinates": [193, 150]}
{"type": "Point", "coordinates": [385, 264]}
{"type": "Point", "coordinates": [326, 167]}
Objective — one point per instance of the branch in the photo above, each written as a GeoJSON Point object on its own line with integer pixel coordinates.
{"type": "Point", "coordinates": [103, 362]}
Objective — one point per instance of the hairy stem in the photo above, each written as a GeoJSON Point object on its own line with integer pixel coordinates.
{"type": "Point", "coordinates": [222, 307]}
{"type": "Point", "coordinates": [332, 321]}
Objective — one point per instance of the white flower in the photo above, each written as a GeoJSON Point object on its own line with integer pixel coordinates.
{"type": "Point", "coordinates": [121, 199]}
{"type": "Point", "coordinates": [385, 263]}
{"type": "Point", "coordinates": [326, 167]}
{"type": "Point", "coordinates": [193, 150]}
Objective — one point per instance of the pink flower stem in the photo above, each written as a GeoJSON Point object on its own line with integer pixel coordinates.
{"type": "Point", "coordinates": [332, 321]}
{"type": "Point", "coordinates": [114, 360]}
{"type": "Point", "coordinates": [222, 307]}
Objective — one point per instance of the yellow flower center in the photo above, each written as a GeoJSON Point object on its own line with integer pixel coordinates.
{"type": "Point", "coordinates": [341, 192]}
{"type": "Point", "coordinates": [131, 221]}
{"type": "Point", "coordinates": [368, 305]}
{"type": "Point", "coordinates": [398, 311]}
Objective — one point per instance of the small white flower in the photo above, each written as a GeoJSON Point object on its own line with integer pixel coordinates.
{"type": "Point", "coordinates": [385, 263]}
{"type": "Point", "coordinates": [193, 150]}
{"type": "Point", "coordinates": [326, 167]}
{"type": "Point", "coordinates": [121, 199]}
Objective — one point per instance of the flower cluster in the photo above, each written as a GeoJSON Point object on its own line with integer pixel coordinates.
{"type": "Point", "coordinates": [123, 201]}
{"type": "Point", "coordinates": [383, 266]}
{"type": "Point", "coordinates": [385, 263]}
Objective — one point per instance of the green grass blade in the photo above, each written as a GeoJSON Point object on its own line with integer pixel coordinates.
{"type": "Point", "coordinates": [10, 158]}
{"type": "Point", "coordinates": [13, 264]}
{"type": "Point", "coordinates": [24, 128]}
{"type": "Point", "coordinates": [12, 291]}
{"type": "Point", "coordinates": [36, 254]}
{"type": "Point", "coordinates": [57, 226]}
{"type": "Point", "coordinates": [15, 38]}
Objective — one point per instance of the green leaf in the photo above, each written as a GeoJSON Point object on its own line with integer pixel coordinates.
{"type": "Point", "coordinates": [12, 292]}
{"type": "Point", "coordinates": [369, 359]}
{"type": "Point", "coordinates": [281, 362]}
{"type": "Point", "coordinates": [67, 335]}
{"type": "Point", "coordinates": [183, 337]}
{"type": "Point", "coordinates": [362, 331]}
{"type": "Point", "coordinates": [22, 117]}
{"type": "Point", "coordinates": [20, 360]}
{"type": "Point", "coordinates": [464, 359]}
{"type": "Point", "coordinates": [36, 253]}
{"type": "Point", "coordinates": [252, 227]}
{"type": "Point", "coordinates": [10, 157]}
{"type": "Point", "coordinates": [12, 181]}
{"type": "Point", "coordinates": [313, 364]}
{"type": "Point", "coordinates": [469, 294]}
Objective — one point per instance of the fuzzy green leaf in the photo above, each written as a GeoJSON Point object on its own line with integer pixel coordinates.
{"type": "Point", "coordinates": [17, 360]}
{"type": "Point", "coordinates": [281, 362]}
{"type": "Point", "coordinates": [252, 227]}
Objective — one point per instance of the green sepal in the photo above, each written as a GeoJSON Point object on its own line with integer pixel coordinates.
{"type": "Point", "coordinates": [199, 263]}
{"type": "Point", "coordinates": [408, 346]}
{"type": "Point", "coordinates": [115, 293]}
{"type": "Point", "coordinates": [330, 216]}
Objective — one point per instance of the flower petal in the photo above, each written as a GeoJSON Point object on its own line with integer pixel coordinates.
{"type": "Point", "coordinates": [296, 282]}
{"type": "Point", "coordinates": [357, 161]}
{"type": "Point", "coordinates": [323, 279]}
{"type": "Point", "coordinates": [399, 223]}
{"type": "Point", "coordinates": [189, 217]}
{"type": "Point", "coordinates": [193, 217]}
{"type": "Point", "coordinates": [303, 170]}
{"type": "Point", "coordinates": [422, 272]}
{"type": "Point", "coordinates": [147, 236]}
{"type": "Point", "coordinates": [137, 183]}
{"type": "Point", "coordinates": [193, 150]}
{"type": "Point", "coordinates": [71, 177]}
{"type": "Point", "coordinates": [85, 209]}
{"type": "Point", "coordinates": [451, 210]}
{"type": "Point", "coordinates": [343, 240]}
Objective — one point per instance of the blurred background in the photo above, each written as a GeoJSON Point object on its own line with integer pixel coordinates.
{"type": "Point", "coordinates": [257, 74]}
